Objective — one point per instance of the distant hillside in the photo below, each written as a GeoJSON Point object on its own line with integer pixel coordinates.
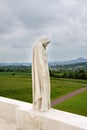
{"type": "Point", "coordinates": [15, 64]}
{"type": "Point", "coordinates": [78, 60]}
{"type": "Point", "coordinates": [73, 66]}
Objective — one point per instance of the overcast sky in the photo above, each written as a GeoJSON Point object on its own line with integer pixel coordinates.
{"type": "Point", "coordinates": [23, 22]}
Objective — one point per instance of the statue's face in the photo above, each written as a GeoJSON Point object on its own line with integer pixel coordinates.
{"type": "Point", "coordinates": [46, 43]}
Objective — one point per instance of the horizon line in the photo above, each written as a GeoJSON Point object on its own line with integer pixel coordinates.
{"type": "Point", "coordinates": [11, 62]}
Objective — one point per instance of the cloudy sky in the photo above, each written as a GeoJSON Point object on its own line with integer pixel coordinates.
{"type": "Point", "coordinates": [23, 22]}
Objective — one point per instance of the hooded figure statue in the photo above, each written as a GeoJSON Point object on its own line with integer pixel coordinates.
{"type": "Point", "coordinates": [40, 77]}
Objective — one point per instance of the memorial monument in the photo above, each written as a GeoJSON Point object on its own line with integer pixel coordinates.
{"type": "Point", "coordinates": [40, 77]}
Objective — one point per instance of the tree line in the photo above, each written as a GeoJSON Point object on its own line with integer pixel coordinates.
{"type": "Point", "coordinates": [15, 69]}
{"type": "Point", "coordinates": [80, 73]}
{"type": "Point", "coordinates": [77, 74]}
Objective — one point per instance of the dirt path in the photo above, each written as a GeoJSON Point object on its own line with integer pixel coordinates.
{"type": "Point", "coordinates": [65, 97]}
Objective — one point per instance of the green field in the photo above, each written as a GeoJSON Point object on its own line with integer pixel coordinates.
{"type": "Point", "coordinates": [19, 86]}
{"type": "Point", "coordinates": [60, 87]}
{"type": "Point", "coordinates": [77, 104]}
{"type": "Point", "coordinates": [16, 87]}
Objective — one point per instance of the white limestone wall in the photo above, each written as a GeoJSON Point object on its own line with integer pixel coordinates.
{"type": "Point", "coordinates": [25, 119]}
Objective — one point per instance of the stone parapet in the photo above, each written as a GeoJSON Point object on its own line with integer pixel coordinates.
{"type": "Point", "coordinates": [25, 118]}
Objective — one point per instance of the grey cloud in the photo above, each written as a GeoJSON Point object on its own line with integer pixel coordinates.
{"type": "Point", "coordinates": [22, 22]}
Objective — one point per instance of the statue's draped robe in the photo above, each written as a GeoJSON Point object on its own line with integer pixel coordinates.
{"type": "Point", "coordinates": [40, 79]}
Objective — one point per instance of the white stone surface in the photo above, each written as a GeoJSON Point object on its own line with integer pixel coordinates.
{"type": "Point", "coordinates": [20, 115]}
{"type": "Point", "coordinates": [5, 125]}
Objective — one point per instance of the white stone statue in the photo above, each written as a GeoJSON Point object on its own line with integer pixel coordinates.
{"type": "Point", "coordinates": [40, 77]}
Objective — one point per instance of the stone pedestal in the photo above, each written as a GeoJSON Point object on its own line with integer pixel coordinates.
{"type": "Point", "coordinates": [24, 118]}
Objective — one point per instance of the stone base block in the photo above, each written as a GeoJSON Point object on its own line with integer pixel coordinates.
{"type": "Point", "coordinates": [26, 119]}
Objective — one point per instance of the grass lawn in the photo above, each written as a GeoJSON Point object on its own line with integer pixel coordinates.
{"type": "Point", "coordinates": [19, 86]}
{"type": "Point", "coordinates": [77, 104]}
{"type": "Point", "coordinates": [60, 87]}
{"type": "Point", "coordinates": [16, 87]}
